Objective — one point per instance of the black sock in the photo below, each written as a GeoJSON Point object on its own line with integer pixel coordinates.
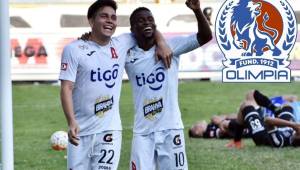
{"type": "Point", "coordinates": [255, 125]}
{"type": "Point", "coordinates": [237, 130]}
{"type": "Point", "coordinates": [264, 101]}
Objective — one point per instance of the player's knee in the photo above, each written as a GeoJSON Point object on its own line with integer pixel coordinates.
{"type": "Point", "coordinates": [247, 110]}
{"type": "Point", "coordinates": [248, 103]}
{"type": "Point", "coordinates": [250, 95]}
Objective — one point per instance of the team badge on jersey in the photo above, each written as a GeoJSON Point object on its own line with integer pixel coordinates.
{"type": "Point", "coordinates": [131, 57]}
{"type": "Point", "coordinates": [102, 105]}
{"type": "Point", "coordinates": [256, 37]}
{"type": "Point", "coordinates": [64, 66]}
{"type": "Point", "coordinates": [152, 107]}
{"type": "Point", "coordinates": [114, 54]}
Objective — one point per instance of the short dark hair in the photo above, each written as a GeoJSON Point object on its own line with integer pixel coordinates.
{"type": "Point", "coordinates": [99, 4]}
{"type": "Point", "coordinates": [137, 10]}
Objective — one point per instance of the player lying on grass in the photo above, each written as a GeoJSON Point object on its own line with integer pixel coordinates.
{"type": "Point", "coordinates": [218, 126]}
{"type": "Point", "coordinates": [278, 131]}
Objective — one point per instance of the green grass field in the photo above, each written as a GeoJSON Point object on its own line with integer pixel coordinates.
{"type": "Point", "coordinates": [38, 113]}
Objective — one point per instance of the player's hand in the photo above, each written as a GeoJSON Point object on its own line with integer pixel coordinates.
{"type": "Point", "coordinates": [163, 52]}
{"type": "Point", "coordinates": [216, 119]}
{"type": "Point", "coordinates": [193, 4]}
{"type": "Point", "coordinates": [85, 36]}
{"type": "Point", "coordinates": [73, 132]}
{"type": "Point", "coordinates": [224, 126]}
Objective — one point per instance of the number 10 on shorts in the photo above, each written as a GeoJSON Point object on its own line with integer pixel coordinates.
{"type": "Point", "coordinates": [179, 159]}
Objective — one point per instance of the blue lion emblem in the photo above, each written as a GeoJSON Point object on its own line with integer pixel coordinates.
{"type": "Point", "coordinates": [247, 32]}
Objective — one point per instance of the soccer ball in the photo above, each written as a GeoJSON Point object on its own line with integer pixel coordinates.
{"type": "Point", "coordinates": [59, 140]}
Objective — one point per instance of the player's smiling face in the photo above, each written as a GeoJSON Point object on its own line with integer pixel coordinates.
{"type": "Point", "coordinates": [144, 25]}
{"type": "Point", "coordinates": [104, 23]}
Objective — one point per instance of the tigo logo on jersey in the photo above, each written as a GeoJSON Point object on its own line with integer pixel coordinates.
{"type": "Point", "coordinates": [108, 75]}
{"type": "Point", "coordinates": [154, 79]}
{"type": "Point", "coordinates": [256, 37]}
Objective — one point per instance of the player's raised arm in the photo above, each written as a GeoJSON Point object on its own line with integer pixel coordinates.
{"type": "Point", "coordinates": [204, 34]}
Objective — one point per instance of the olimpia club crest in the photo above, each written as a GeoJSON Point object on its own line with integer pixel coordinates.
{"type": "Point", "coordinates": [256, 37]}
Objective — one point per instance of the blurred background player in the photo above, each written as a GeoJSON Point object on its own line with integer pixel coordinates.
{"type": "Point", "coordinates": [91, 78]}
{"type": "Point", "coordinates": [278, 131]}
{"type": "Point", "coordinates": [158, 139]}
{"type": "Point", "coordinates": [217, 128]}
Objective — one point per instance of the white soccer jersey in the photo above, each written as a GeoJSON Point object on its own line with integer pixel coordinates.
{"type": "Point", "coordinates": [155, 89]}
{"type": "Point", "coordinates": [97, 75]}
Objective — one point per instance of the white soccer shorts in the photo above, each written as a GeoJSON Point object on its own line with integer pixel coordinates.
{"type": "Point", "coordinates": [96, 152]}
{"type": "Point", "coordinates": [164, 150]}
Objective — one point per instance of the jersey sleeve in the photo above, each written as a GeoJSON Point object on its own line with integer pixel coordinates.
{"type": "Point", "coordinates": [69, 64]}
{"type": "Point", "coordinates": [183, 44]}
{"type": "Point", "coordinates": [127, 39]}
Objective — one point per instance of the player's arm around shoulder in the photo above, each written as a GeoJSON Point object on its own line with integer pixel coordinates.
{"type": "Point", "coordinates": [163, 51]}
{"type": "Point", "coordinates": [204, 34]}
{"type": "Point", "coordinates": [126, 39]}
